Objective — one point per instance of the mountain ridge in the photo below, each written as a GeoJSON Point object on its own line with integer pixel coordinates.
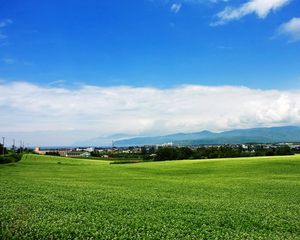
{"type": "Point", "coordinates": [237, 136]}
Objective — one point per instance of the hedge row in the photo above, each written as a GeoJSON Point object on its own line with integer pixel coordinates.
{"type": "Point", "coordinates": [10, 158]}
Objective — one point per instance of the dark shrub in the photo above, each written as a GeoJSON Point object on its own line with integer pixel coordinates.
{"type": "Point", "coordinates": [10, 158]}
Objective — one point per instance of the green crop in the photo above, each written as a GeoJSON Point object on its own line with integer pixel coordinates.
{"type": "Point", "coordinates": [46, 197]}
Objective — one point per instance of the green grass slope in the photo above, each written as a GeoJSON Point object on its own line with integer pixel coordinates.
{"type": "Point", "coordinates": [254, 198]}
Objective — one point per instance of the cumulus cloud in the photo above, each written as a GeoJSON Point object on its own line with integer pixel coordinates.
{"type": "Point", "coordinates": [142, 111]}
{"type": "Point", "coordinates": [291, 29]}
{"type": "Point", "coordinates": [175, 7]}
{"type": "Point", "coordinates": [259, 7]}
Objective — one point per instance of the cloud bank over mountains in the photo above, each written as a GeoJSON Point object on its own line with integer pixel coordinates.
{"type": "Point", "coordinates": [25, 107]}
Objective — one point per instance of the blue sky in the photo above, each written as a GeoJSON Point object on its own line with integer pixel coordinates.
{"type": "Point", "coordinates": [76, 70]}
{"type": "Point", "coordinates": [146, 43]}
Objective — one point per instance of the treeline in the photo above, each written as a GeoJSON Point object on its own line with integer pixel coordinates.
{"type": "Point", "coordinates": [11, 155]}
{"type": "Point", "coordinates": [178, 153]}
{"type": "Point", "coordinates": [121, 155]}
{"type": "Point", "coordinates": [1, 149]}
{"type": "Point", "coordinates": [52, 153]}
{"type": "Point", "coordinates": [10, 158]}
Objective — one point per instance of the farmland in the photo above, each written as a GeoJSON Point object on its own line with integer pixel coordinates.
{"type": "Point", "coordinates": [46, 197]}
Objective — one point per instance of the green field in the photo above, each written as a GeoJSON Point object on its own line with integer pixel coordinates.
{"type": "Point", "coordinates": [59, 198]}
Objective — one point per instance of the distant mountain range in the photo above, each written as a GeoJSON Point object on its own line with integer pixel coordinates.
{"type": "Point", "coordinates": [253, 135]}
{"type": "Point", "coordinates": [102, 141]}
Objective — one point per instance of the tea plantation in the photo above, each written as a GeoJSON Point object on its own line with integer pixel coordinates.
{"type": "Point", "coordinates": [45, 197]}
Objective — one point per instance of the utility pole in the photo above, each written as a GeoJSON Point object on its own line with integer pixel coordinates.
{"type": "Point", "coordinates": [14, 144]}
{"type": "Point", "coordinates": [3, 139]}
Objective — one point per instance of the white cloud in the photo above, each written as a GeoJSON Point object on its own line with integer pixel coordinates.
{"type": "Point", "coordinates": [259, 7]}
{"type": "Point", "coordinates": [201, 1]}
{"type": "Point", "coordinates": [175, 7]}
{"type": "Point", "coordinates": [8, 60]}
{"type": "Point", "coordinates": [3, 24]}
{"type": "Point", "coordinates": [2, 36]}
{"type": "Point", "coordinates": [291, 29]}
{"type": "Point", "coordinates": [141, 111]}
{"type": "Point", "coordinates": [59, 83]}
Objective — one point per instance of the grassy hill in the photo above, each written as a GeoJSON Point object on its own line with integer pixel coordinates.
{"type": "Point", "coordinates": [59, 198]}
